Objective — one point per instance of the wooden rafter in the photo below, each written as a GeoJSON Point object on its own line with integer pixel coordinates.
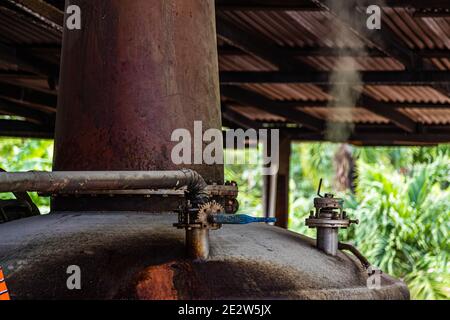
{"type": "Point", "coordinates": [339, 52]}
{"type": "Point", "coordinates": [24, 129]}
{"type": "Point", "coordinates": [255, 45]}
{"type": "Point", "coordinates": [238, 119]}
{"type": "Point", "coordinates": [424, 78]}
{"type": "Point", "coordinates": [28, 96]}
{"type": "Point", "coordinates": [307, 5]}
{"type": "Point", "coordinates": [361, 102]}
{"type": "Point", "coordinates": [27, 62]}
{"type": "Point", "coordinates": [34, 116]}
{"type": "Point", "coordinates": [254, 99]}
{"type": "Point", "coordinates": [386, 40]}
{"type": "Point", "coordinates": [42, 11]}
{"type": "Point", "coordinates": [384, 110]}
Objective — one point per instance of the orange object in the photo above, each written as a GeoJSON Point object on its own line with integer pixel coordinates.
{"type": "Point", "coordinates": [4, 295]}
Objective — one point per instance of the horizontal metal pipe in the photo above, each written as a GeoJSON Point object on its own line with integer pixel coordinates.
{"type": "Point", "coordinates": [73, 181]}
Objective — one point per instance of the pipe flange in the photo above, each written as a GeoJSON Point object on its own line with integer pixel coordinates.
{"type": "Point", "coordinates": [328, 223]}
{"type": "Point", "coordinates": [328, 202]}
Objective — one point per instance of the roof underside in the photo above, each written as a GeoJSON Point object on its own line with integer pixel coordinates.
{"type": "Point", "coordinates": [278, 67]}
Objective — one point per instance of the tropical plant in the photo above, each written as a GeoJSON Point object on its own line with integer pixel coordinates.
{"type": "Point", "coordinates": [404, 227]}
{"type": "Point", "coordinates": [249, 180]}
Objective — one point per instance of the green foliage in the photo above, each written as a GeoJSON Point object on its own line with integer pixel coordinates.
{"type": "Point", "coordinates": [249, 180]}
{"type": "Point", "coordinates": [27, 155]}
{"type": "Point", "coordinates": [404, 226]}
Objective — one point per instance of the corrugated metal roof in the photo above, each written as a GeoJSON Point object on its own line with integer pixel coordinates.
{"type": "Point", "coordinates": [293, 30]}
{"type": "Point", "coordinates": [256, 114]}
{"type": "Point", "coordinates": [244, 62]}
{"type": "Point", "coordinates": [286, 92]}
{"type": "Point", "coordinates": [356, 115]}
{"type": "Point", "coordinates": [440, 63]}
{"type": "Point", "coordinates": [16, 28]}
{"type": "Point", "coordinates": [411, 94]}
{"type": "Point", "coordinates": [428, 116]}
{"type": "Point", "coordinates": [361, 63]}
{"type": "Point", "coordinates": [418, 33]}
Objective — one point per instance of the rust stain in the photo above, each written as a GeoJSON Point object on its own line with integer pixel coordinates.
{"type": "Point", "coordinates": [156, 283]}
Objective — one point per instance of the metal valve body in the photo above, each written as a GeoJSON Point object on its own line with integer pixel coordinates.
{"type": "Point", "coordinates": [328, 217]}
{"type": "Point", "coordinates": [210, 216]}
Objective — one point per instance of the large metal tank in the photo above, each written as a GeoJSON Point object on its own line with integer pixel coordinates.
{"type": "Point", "coordinates": [129, 255]}
{"type": "Point", "coordinates": [135, 72]}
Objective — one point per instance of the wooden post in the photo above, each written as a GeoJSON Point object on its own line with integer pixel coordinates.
{"type": "Point", "coordinates": [268, 187]}
{"type": "Point", "coordinates": [282, 183]}
{"type": "Point", "coordinates": [276, 187]}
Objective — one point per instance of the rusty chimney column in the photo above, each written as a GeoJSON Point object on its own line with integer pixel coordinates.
{"type": "Point", "coordinates": [135, 72]}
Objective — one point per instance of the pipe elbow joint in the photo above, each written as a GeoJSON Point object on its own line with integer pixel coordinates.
{"type": "Point", "coordinates": [196, 187]}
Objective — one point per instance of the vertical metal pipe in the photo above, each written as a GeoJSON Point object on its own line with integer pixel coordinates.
{"type": "Point", "coordinates": [135, 72]}
{"type": "Point", "coordinates": [197, 243]}
{"type": "Point", "coordinates": [327, 240]}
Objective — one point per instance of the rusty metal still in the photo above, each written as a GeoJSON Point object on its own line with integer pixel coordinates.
{"type": "Point", "coordinates": [137, 71]}
{"type": "Point", "coordinates": [133, 74]}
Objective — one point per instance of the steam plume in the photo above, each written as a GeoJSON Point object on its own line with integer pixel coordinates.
{"type": "Point", "coordinates": [346, 79]}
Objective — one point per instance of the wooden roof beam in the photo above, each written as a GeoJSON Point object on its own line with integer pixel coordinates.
{"type": "Point", "coordinates": [384, 110]}
{"type": "Point", "coordinates": [360, 104]}
{"type": "Point", "coordinates": [385, 39]}
{"type": "Point", "coordinates": [42, 11]}
{"type": "Point", "coordinates": [29, 96]}
{"type": "Point", "coordinates": [374, 135]}
{"type": "Point", "coordinates": [24, 129]}
{"type": "Point", "coordinates": [339, 52]}
{"type": "Point", "coordinates": [34, 116]}
{"type": "Point", "coordinates": [258, 46]}
{"type": "Point", "coordinates": [254, 99]}
{"type": "Point", "coordinates": [307, 5]}
{"type": "Point", "coordinates": [239, 119]}
{"type": "Point", "coordinates": [27, 62]}
{"type": "Point", "coordinates": [425, 78]}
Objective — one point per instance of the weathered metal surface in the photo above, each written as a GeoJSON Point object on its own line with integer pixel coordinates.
{"type": "Point", "coordinates": [156, 283]}
{"type": "Point", "coordinates": [134, 73]}
{"type": "Point", "coordinates": [209, 216]}
{"type": "Point", "coordinates": [197, 243]}
{"type": "Point", "coordinates": [195, 221]}
{"type": "Point", "coordinates": [327, 240]}
{"type": "Point", "coordinates": [140, 255]}
{"type": "Point", "coordinates": [74, 181]}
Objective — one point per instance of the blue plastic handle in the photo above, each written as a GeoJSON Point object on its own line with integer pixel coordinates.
{"type": "Point", "coordinates": [239, 219]}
